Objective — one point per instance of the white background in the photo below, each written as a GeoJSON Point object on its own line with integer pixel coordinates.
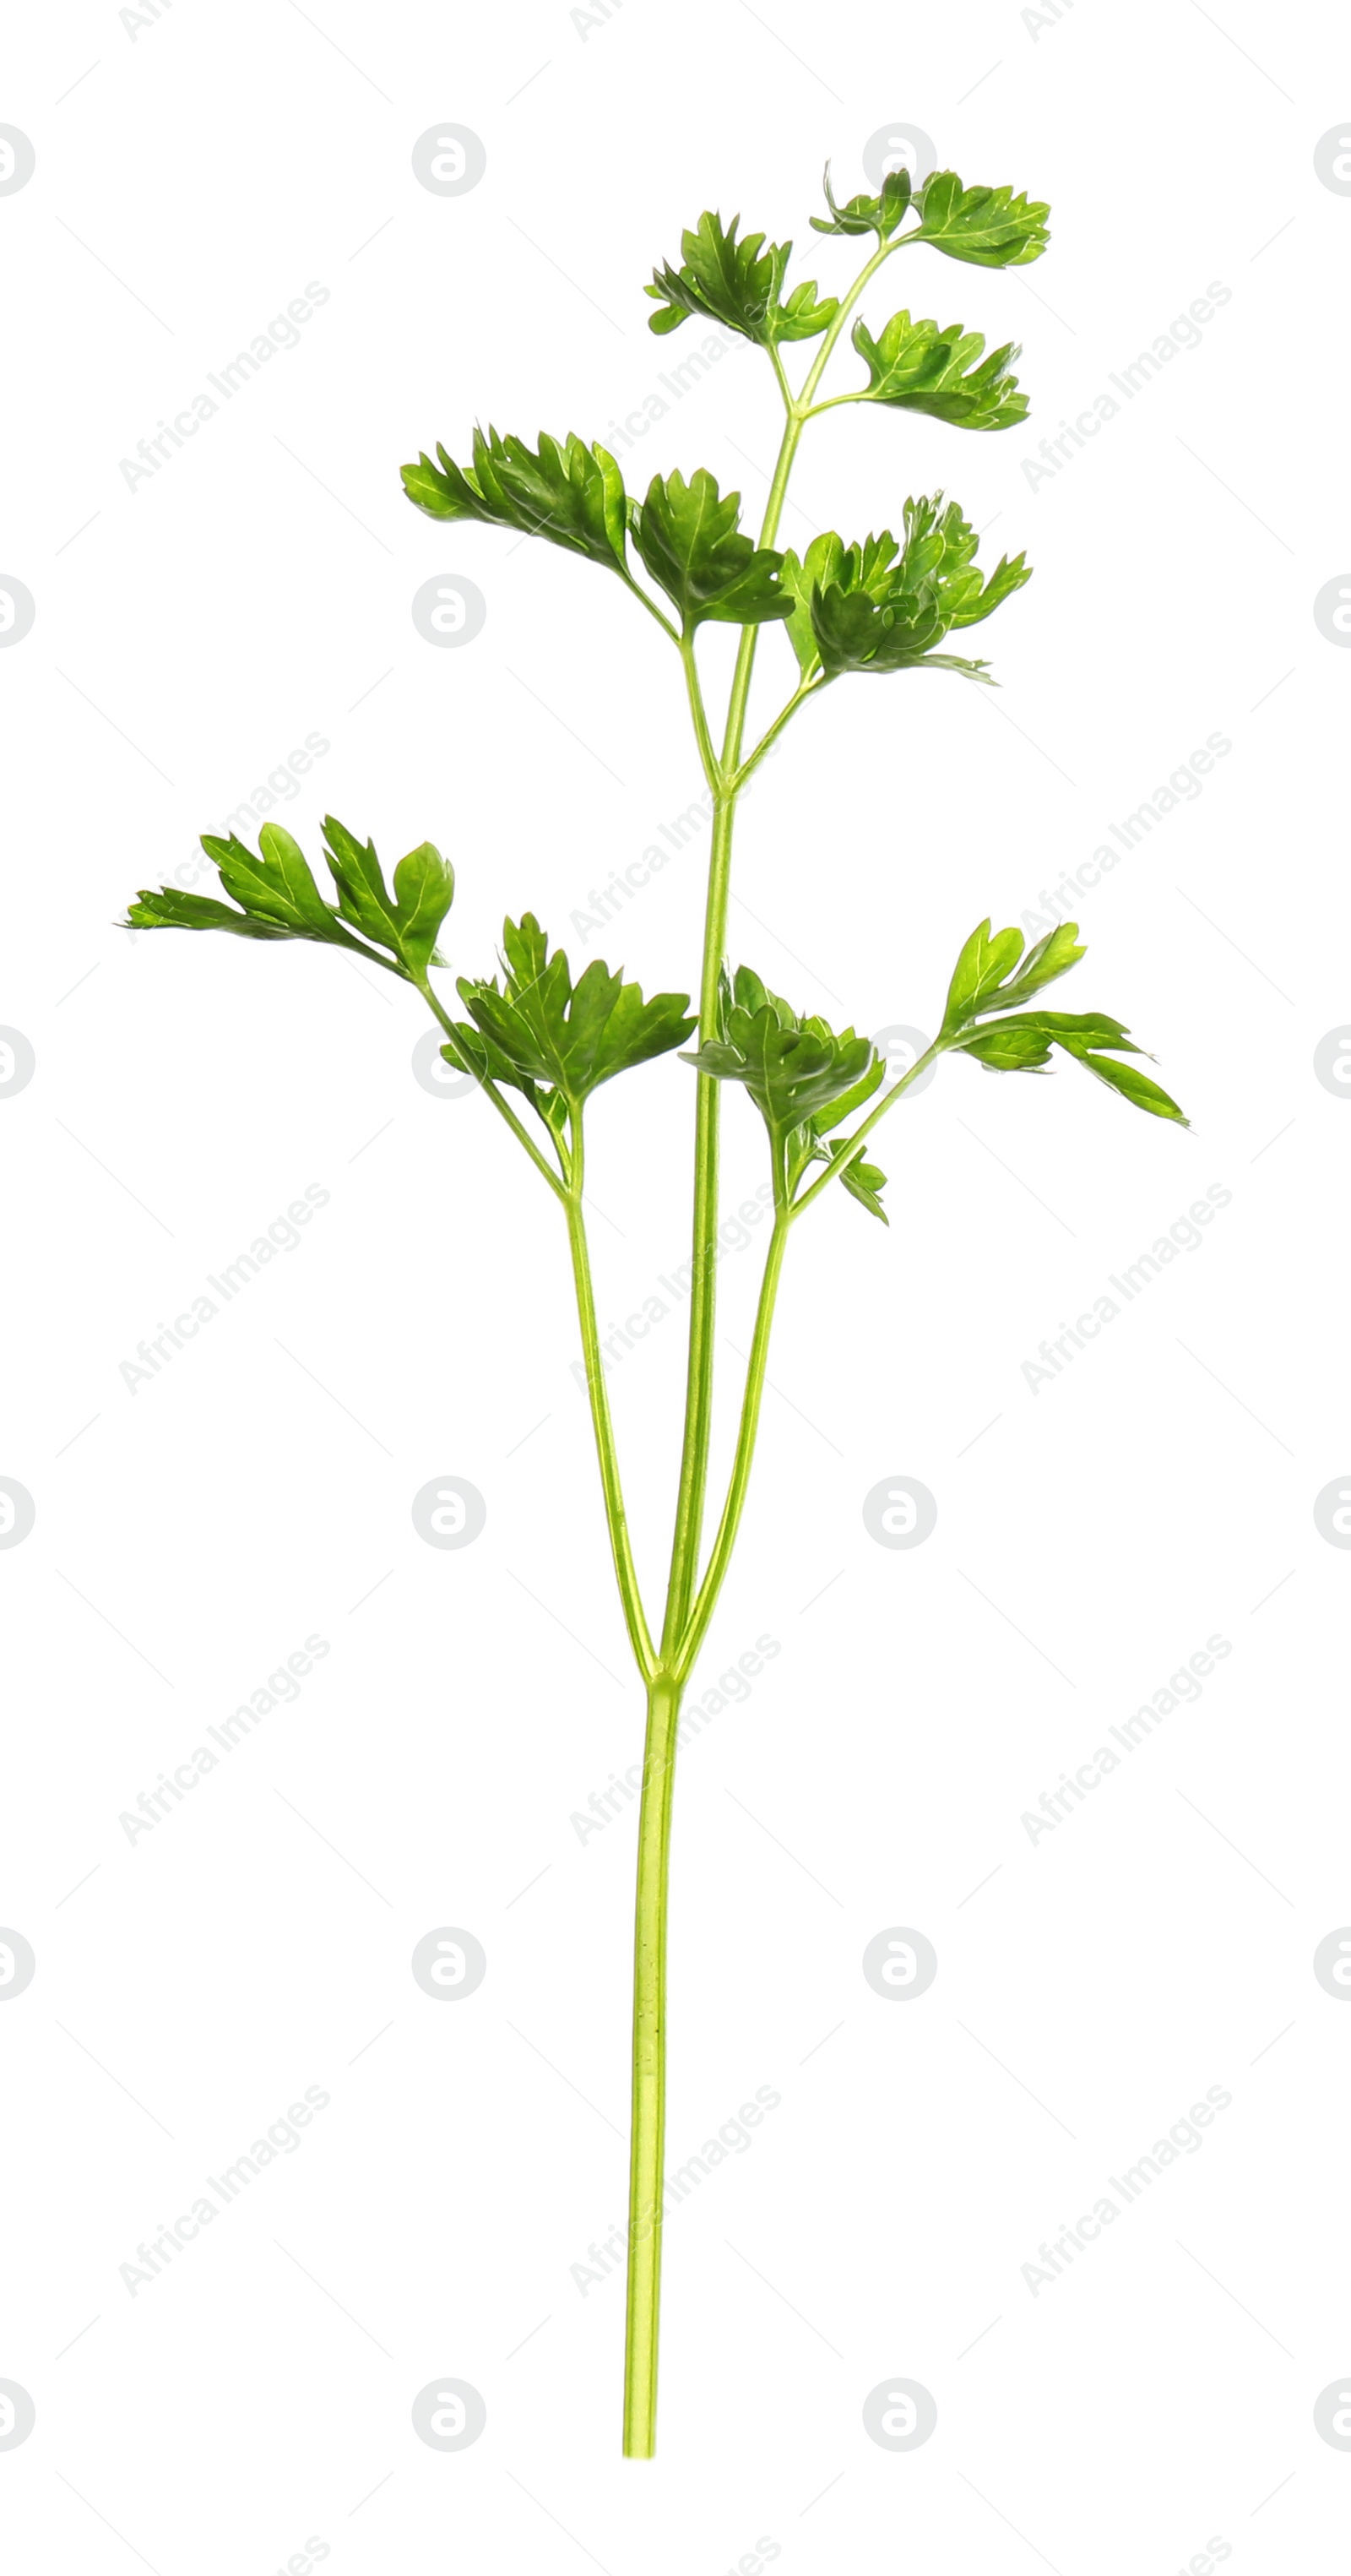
{"type": "Point", "coordinates": [193, 175]}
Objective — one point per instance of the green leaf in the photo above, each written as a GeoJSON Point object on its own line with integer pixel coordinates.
{"type": "Point", "coordinates": [408, 921]}
{"type": "Point", "coordinates": [978, 982]}
{"type": "Point", "coordinates": [869, 608]}
{"type": "Point", "coordinates": [863, 1181]}
{"type": "Point", "coordinates": [165, 908]}
{"type": "Point", "coordinates": [881, 214]}
{"type": "Point", "coordinates": [798, 1070]}
{"type": "Point", "coordinates": [571, 494]}
{"type": "Point", "coordinates": [276, 885]}
{"type": "Point", "coordinates": [688, 537]}
{"type": "Point", "coordinates": [915, 366]}
{"type": "Point", "coordinates": [989, 227]}
{"type": "Point", "coordinates": [555, 1040]}
{"type": "Point", "coordinates": [280, 900]}
{"type": "Point", "coordinates": [737, 283]}
{"type": "Point", "coordinates": [1023, 1045]}
{"type": "Point", "coordinates": [982, 965]}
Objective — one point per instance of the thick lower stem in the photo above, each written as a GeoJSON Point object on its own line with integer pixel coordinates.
{"type": "Point", "coordinates": [647, 2151]}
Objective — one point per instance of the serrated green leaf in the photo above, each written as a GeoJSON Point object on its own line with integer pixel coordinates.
{"type": "Point", "coordinates": [563, 490]}
{"type": "Point", "coordinates": [915, 366]}
{"type": "Point", "coordinates": [688, 537]}
{"type": "Point", "coordinates": [881, 214]}
{"type": "Point", "coordinates": [280, 900]}
{"type": "Point", "coordinates": [989, 227]}
{"type": "Point", "coordinates": [869, 608]}
{"type": "Point", "coordinates": [275, 884]}
{"type": "Point", "coordinates": [796, 1069]}
{"type": "Point", "coordinates": [405, 922]}
{"type": "Point", "coordinates": [737, 283]}
{"type": "Point", "coordinates": [805, 314]}
{"type": "Point", "coordinates": [545, 1035]}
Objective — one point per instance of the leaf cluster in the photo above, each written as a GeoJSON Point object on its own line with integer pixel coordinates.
{"type": "Point", "coordinates": [991, 981]}
{"type": "Point", "coordinates": [737, 283]}
{"type": "Point", "coordinates": [277, 898]}
{"type": "Point", "coordinates": [990, 227]}
{"type": "Point", "coordinates": [876, 607]}
{"type": "Point", "coordinates": [915, 366]}
{"type": "Point", "coordinates": [804, 1077]}
{"type": "Point", "coordinates": [563, 490]}
{"type": "Point", "coordinates": [688, 535]}
{"type": "Point", "coordinates": [556, 1041]}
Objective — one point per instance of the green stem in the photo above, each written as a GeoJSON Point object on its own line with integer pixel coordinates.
{"type": "Point", "coordinates": [702, 736]}
{"type": "Point", "coordinates": [647, 2151]}
{"type": "Point", "coordinates": [503, 1107]}
{"type": "Point", "coordinates": [858, 1139]}
{"type": "Point", "coordinates": [807, 689]}
{"type": "Point", "coordinates": [686, 1619]}
{"type": "Point", "coordinates": [626, 1573]}
{"type": "Point", "coordinates": [699, 1377]}
{"type": "Point", "coordinates": [728, 1526]}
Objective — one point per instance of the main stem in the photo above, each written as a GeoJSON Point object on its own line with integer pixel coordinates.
{"type": "Point", "coordinates": [686, 1620]}
{"type": "Point", "coordinates": [647, 2148]}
